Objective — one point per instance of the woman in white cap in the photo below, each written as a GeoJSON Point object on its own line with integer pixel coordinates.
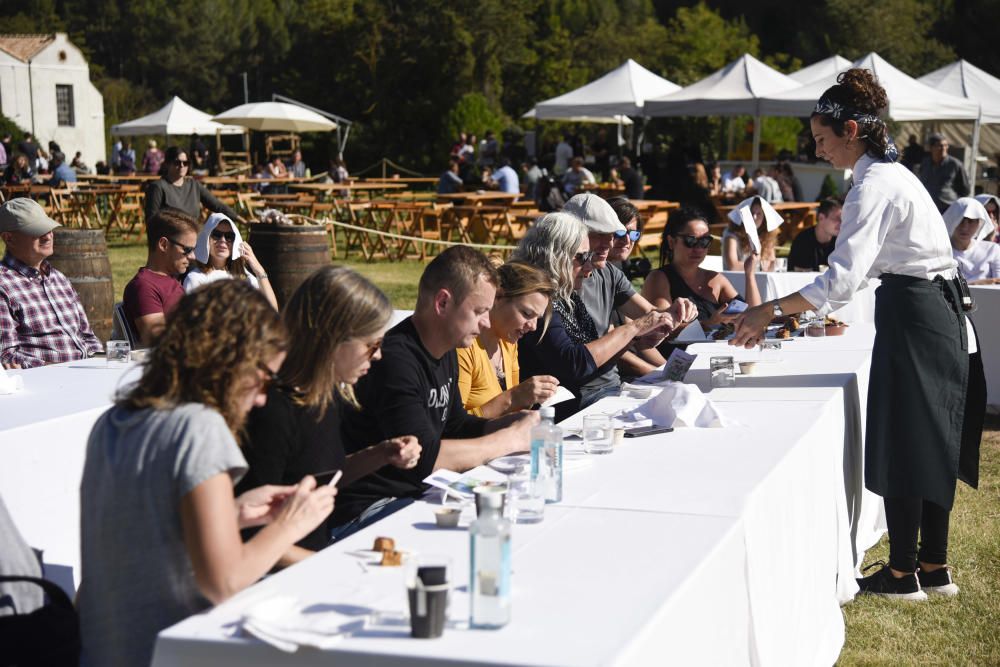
{"type": "Point", "coordinates": [751, 213]}
{"type": "Point", "coordinates": [970, 226]}
{"type": "Point", "coordinates": [221, 253]}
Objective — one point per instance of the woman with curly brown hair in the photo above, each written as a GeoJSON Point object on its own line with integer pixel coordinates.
{"type": "Point", "coordinates": [159, 524]}
{"type": "Point", "coordinates": [926, 396]}
{"type": "Point", "coordinates": [336, 320]}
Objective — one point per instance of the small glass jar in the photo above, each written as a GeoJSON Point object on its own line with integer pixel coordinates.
{"type": "Point", "coordinates": [723, 371]}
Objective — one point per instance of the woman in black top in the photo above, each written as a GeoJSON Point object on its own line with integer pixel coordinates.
{"type": "Point", "coordinates": [336, 320]}
{"type": "Point", "coordinates": [683, 248]}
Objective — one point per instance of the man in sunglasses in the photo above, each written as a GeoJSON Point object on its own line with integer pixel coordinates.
{"type": "Point", "coordinates": [156, 288]}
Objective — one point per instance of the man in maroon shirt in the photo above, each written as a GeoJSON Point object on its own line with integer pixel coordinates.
{"type": "Point", "coordinates": [155, 290]}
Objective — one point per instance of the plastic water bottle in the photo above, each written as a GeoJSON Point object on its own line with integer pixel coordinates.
{"type": "Point", "coordinates": [490, 563]}
{"type": "Point", "coordinates": [547, 455]}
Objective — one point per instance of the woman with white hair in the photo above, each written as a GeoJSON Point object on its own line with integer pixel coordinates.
{"type": "Point", "coordinates": [571, 350]}
{"type": "Point", "coordinates": [970, 227]}
{"type": "Point", "coordinates": [221, 254]}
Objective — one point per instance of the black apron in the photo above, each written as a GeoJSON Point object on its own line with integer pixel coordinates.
{"type": "Point", "coordinates": [920, 436]}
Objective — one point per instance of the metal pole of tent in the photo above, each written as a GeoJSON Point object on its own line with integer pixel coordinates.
{"type": "Point", "coordinates": [756, 142]}
{"type": "Point", "coordinates": [974, 170]}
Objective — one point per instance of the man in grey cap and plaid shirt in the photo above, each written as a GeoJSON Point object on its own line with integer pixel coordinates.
{"type": "Point", "coordinates": [41, 318]}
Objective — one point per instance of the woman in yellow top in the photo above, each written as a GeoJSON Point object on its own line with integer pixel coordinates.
{"type": "Point", "coordinates": [488, 372]}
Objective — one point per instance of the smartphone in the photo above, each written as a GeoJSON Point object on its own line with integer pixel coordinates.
{"type": "Point", "coordinates": [330, 477]}
{"type": "Point", "coordinates": [652, 429]}
{"type": "Point", "coordinates": [735, 307]}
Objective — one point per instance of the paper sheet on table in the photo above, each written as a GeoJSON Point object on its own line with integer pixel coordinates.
{"type": "Point", "coordinates": [10, 383]}
{"type": "Point", "coordinates": [463, 485]}
{"type": "Point", "coordinates": [692, 333]}
{"type": "Point", "coordinates": [286, 623]}
{"type": "Point", "coordinates": [562, 394]}
{"type": "Point", "coordinates": [680, 404]}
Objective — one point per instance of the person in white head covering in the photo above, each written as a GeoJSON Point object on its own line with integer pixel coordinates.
{"type": "Point", "coordinates": [753, 228]}
{"type": "Point", "coordinates": [220, 253]}
{"type": "Point", "coordinates": [992, 205]}
{"type": "Point", "coordinates": [970, 227]}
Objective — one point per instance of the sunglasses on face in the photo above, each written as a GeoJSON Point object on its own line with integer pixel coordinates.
{"type": "Point", "coordinates": [633, 234]}
{"type": "Point", "coordinates": [228, 236]}
{"type": "Point", "coordinates": [373, 348]}
{"type": "Point", "coordinates": [181, 163]}
{"type": "Point", "coordinates": [188, 249]}
{"type": "Point", "coordinates": [695, 241]}
{"type": "Point", "coordinates": [270, 378]}
{"type": "Point", "coordinates": [582, 258]}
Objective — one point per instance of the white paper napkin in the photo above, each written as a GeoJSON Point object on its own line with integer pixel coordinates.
{"type": "Point", "coordinates": [680, 404]}
{"type": "Point", "coordinates": [562, 394]}
{"type": "Point", "coordinates": [10, 383]}
{"type": "Point", "coordinates": [285, 623]}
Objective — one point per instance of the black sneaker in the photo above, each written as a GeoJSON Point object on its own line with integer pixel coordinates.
{"type": "Point", "coordinates": [885, 584]}
{"type": "Point", "coordinates": [938, 582]}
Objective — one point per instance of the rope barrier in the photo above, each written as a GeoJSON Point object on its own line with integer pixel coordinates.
{"type": "Point", "coordinates": [403, 237]}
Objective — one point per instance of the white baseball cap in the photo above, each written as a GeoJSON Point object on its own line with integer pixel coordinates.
{"type": "Point", "coordinates": [595, 213]}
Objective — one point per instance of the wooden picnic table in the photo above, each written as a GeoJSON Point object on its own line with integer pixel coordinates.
{"type": "Point", "coordinates": [479, 197]}
{"type": "Point", "coordinates": [117, 177]}
{"type": "Point", "coordinates": [327, 187]}
{"type": "Point", "coordinates": [412, 180]}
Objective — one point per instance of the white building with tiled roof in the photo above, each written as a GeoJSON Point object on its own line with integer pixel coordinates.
{"type": "Point", "coordinates": [45, 88]}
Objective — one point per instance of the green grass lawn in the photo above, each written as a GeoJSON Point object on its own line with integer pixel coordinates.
{"type": "Point", "coordinates": [960, 631]}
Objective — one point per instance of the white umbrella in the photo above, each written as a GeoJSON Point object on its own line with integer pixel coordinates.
{"type": "Point", "coordinates": [275, 117]}
{"type": "Point", "coordinates": [173, 118]}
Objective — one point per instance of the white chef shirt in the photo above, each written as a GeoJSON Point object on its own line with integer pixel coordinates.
{"type": "Point", "coordinates": [890, 225]}
{"type": "Point", "coordinates": [980, 260]}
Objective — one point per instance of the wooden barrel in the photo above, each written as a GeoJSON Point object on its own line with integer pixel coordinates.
{"type": "Point", "coordinates": [289, 254]}
{"type": "Point", "coordinates": [82, 256]}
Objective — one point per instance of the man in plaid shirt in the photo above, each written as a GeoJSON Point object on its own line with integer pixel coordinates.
{"type": "Point", "coordinates": [41, 319]}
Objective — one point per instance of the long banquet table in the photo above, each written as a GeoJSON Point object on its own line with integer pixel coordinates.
{"type": "Point", "coordinates": [773, 285]}
{"type": "Point", "coordinates": [986, 317]}
{"type": "Point", "coordinates": [700, 546]}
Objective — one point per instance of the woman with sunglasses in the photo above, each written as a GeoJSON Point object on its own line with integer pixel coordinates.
{"type": "Point", "coordinates": [488, 370]}
{"type": "Point", "coordinates": [159, 522]}
{"type": "Point", "coordinates": [736, 246]}
{"type": "Point", "coordinates": [683, 248]}
{"type": "Point", "coordinates": [571, 350]}
{"type": "Point", "coordinates": [177, 189]}
{"type": "Point", "coordinates": [335, 320]}
{"type": "Point", "coordinates": [992, 205]}
{"type": "Point", "coordinates": [221, 253]}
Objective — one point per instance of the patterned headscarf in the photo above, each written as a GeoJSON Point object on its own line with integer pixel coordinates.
{"type": "Point", "coordinates": [827, 107]}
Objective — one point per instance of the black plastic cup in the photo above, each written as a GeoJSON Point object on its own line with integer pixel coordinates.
{"type": "Point", "coordinates": [429, 602]}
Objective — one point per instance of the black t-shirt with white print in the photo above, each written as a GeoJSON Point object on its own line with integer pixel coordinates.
{"type": "Point", "coordinates": [407, 392]}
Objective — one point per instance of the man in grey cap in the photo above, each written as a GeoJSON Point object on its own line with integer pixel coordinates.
{"type": "Point", "coordinates": [607, 289]}
{"type": "Point", "coordinates": [943, 175]}
{"type": "Point", "coordinates": [41, 318]}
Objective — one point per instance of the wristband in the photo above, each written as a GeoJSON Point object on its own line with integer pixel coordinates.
{"type": "Point", "coordinates": [262, 276]}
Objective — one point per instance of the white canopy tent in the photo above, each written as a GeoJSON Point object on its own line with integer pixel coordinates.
{"type": "Point", "coordinates": [909, 99]}
{"type": "Point", "coordinates": [176, 117]}
{"type": "Point", "coordinates": [734, 90]}
{"type": "Point", "coordinates": [824, 69]}
{"type": "Point", "coordinates": [604, 120]}
{"type": "Point", "coordinates": [963, 79]}
{"type": "Point", "coordinates": [620, 92]}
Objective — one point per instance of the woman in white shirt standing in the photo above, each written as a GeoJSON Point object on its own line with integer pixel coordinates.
{"type": "Point", "coordinates": [221, 254]}
{"type": "Point", "coordinates": [926, 396]}
{"type": "Point", "coordinates": [970, 226]}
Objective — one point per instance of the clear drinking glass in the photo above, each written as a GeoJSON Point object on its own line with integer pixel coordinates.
{"type": "Point", "coordinates": [526, 496]}
{"type": "Point", "coordinates": [119, 353]}
{"type": "Point", "coordinates": [780, 264]}
{"type": "Point", "coordinates": [723, 371]}
{"type": "Point", "coordinates": [597, 436]}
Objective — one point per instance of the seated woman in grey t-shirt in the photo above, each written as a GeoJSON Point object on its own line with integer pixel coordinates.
{"type": "Point", "coordinates": [159, 535]}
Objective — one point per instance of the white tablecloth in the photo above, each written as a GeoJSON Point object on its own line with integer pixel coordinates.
{"type": "Point", "coordinates": [987, 321]}
{"type": "Point", "coordinates": [693, 547]}
{"type": "Point", "coordinates": [774, 285]}
{"type": "Point", "coordinates": [43, 438]}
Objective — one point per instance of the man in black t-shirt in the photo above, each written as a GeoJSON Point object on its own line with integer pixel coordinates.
{"type": "Point", "coordinates": [813, 246]}
{"type": "Point", "coordinates": [630, 179]}
{"type": "Point", "coordinates": [414, 390]}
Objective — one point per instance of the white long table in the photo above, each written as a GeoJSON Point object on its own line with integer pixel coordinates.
{"type": "Point", "coordinates": [43, 438]}
{"type": "Point", "coordinates": [694, 547]}
{"type": "Point", "coordinates": [987, 321]}
{"type": "Point", "coordinates": [773, 285]}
